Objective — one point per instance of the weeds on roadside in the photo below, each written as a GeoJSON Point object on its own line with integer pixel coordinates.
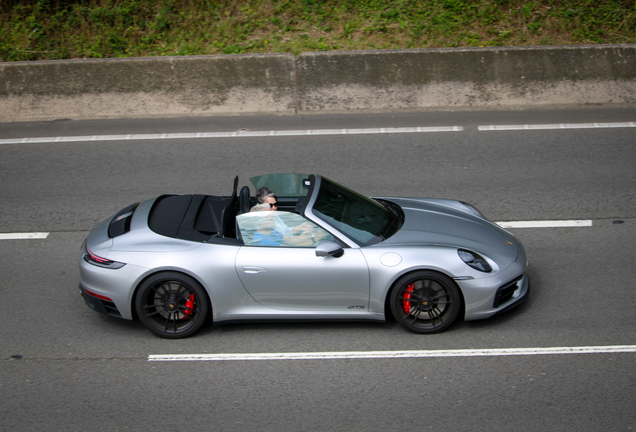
{"type": "Point", "coordinates": [64, 29]}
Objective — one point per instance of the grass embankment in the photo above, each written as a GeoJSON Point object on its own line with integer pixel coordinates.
{"type": "Point", "coordinates": [67, 29]}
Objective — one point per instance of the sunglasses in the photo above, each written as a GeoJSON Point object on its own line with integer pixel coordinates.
{"type": "Point", "coordinates": [272, 205]}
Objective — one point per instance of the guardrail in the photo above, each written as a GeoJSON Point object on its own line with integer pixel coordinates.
{"type": "Point", "coordinates": [320, 82]}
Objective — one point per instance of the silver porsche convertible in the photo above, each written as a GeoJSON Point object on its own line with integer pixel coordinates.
{"type": "Point", "coordinates": [325, 252]}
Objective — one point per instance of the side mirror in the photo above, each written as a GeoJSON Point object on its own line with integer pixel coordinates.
{"type": "Point", "coordinates": [329, 248]}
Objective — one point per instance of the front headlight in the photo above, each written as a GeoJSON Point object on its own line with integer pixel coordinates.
{"type": "Point", "coordinates": [474, 260]}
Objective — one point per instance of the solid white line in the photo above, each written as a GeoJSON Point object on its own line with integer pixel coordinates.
{"type": "Point", "coordinates": [557, 126]}
{"type": "Point", "coordinates": [235, 134]}
{"type": "Point", "coordinates": [23, 236]}
{"type": "Point", "coordinates": [546, 224]}
{"type": "Point", "coordinates": [396, 354]}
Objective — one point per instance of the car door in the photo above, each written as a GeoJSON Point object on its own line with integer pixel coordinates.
{"type": "Point", "coordinates": [294, 278]}
{"type": "Point", "coordinates": [291, 277]}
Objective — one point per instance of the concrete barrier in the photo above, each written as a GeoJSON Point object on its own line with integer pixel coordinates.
{"type": "Point", "coordinates": [146, 87]}
{"type": "Point", "coordinates": [467, 78]}
{"type": "Point", "coordinates": [320, 82]}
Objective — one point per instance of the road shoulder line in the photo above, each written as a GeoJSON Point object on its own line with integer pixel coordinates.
{"type": "Point", "coordinates": [496, 352]}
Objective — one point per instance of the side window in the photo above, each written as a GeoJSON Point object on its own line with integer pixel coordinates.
{"type": "Point", "coordinates": [281, 229]}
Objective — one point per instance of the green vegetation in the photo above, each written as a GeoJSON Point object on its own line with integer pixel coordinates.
{"type": "Point", "coordinates": [50, 29]}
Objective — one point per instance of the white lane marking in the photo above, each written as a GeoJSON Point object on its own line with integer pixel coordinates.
{"type": "Point", "coordinates": [239, 134]}
{"type": "Point", "coordinates": [511, 224]}
{"type": "Point", "coordinates": [396, 354]}
{"type": "Point", "coordinates": [557, 126]}
{"type": "Point", "coordinates": [23, 236]}
{"type": "Point", "coordinates": [546, 224]}
{"type": "Point", "coordinates": [235, 134]}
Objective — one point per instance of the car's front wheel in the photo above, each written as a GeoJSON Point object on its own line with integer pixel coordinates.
{"type": "Point", "coordinates": [171, 305]}
{"type": "Point", "coordinates": [425, 302]}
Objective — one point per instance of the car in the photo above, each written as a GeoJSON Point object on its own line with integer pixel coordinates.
{"type": "Point", "coordinates": [326, 252]}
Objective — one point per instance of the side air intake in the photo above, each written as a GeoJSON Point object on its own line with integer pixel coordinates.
{"type": "Point", "coordinates": [121, 222]}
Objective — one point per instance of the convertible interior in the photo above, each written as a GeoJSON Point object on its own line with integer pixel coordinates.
{"type": "Point", "coordinates": [206, 218]}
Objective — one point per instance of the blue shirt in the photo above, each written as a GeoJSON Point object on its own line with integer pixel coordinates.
{"type": "Point", "coordinates": [273, 239]}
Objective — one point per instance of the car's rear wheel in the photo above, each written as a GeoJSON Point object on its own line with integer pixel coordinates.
{"type": "Point", "coordinates": [171, 305]}
{"type": "Point", "coordinates": [425, 302]}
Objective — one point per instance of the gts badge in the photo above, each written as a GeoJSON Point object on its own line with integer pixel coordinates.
{"type": "Point", "coordinates": [356, 307]}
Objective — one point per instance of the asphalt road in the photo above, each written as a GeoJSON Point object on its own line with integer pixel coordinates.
{"type": "Point", "coordinates": [64, 367]}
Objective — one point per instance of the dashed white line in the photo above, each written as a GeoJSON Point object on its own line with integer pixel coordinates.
{"type": "Point", "coordinates": [557, 126]}
{"type": "Point", "coordinates": [247, 133]}
{"type": "Point", "coordinates": [512, 224]}
{"type": "Point", "coordinates": [234, 134]}
{"type": "Point", "coordinates": [546, 224]}
{"type": "Point", "coordinates": [494, 352]}
{"type": "Point", "coordinates": [23, 236]}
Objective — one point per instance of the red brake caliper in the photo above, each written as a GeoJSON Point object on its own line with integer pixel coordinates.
{"type": "Point", "coordinates": [405, 303]}
{"type": "Point", "coordinates": [189, 306]}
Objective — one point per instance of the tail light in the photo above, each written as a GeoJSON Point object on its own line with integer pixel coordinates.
{"type": "Point", "coordinates": [98, 261]}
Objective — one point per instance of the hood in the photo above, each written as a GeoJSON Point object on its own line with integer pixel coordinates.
{"type": "Point", "coordinates": [451, 223]}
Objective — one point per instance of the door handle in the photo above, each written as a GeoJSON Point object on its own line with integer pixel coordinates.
{"type": "Point", "coordinates": [253, 270]}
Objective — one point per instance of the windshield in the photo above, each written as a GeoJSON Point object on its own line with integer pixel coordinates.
{"type": "Point", "coordinates": [363, 219]}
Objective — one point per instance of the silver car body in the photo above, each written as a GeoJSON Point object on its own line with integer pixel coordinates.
{"type": "Point", "coordinates": [247, 282]}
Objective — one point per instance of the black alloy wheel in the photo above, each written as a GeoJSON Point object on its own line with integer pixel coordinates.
{"type": "Point", "coordinates": [425, 302]}
{"type": "Point", "coordinates": [171, 305]}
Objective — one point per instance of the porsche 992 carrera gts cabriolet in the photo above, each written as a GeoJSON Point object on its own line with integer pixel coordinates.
{"type": "Point", "coordinates": [326, 252]}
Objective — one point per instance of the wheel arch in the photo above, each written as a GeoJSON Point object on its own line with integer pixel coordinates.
{"type": "Point", "coordinates": [167, 270]}
{"type": "Point", "coordinates": [395, 283]}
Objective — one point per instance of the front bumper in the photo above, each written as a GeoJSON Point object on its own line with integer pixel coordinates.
{"type": "Point", "coordinates": [491, 296]}
{"type": "Point", "coordinates": [521, 295]}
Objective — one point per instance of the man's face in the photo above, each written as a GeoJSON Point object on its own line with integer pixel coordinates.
{"type": "Point", "coordinates": [271, 200]}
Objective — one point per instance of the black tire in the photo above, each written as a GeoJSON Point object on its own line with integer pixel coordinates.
{"type": "Point", "coordinates": [162, 305]}
{"type": "Point", "coordinates": [425, 302]}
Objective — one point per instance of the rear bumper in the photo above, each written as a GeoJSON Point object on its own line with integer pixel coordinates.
{"type": "Point", "coordinates": [99, 305]}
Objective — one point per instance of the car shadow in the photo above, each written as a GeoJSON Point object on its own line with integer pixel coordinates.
{"type": "Point", "coordinates": [295, 326]}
